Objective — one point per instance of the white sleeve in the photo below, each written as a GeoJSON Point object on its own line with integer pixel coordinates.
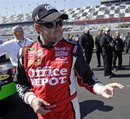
{"type": "Point", "coordinates": [4, 48]}
{"type": "Point", "coordinates": [29, 96]}
{"type": "Point", "coordinates": [97, 88]}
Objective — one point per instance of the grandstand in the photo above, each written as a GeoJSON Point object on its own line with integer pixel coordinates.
{"type": "Point", "coordinates": [112, 13]}
{"type": "Point", "coordinates": [112, 1]}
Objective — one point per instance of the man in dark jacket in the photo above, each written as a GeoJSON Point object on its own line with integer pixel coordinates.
{"type": "Point", "coordinates": [107, 49]}
{"type": "Point", "coordinates": [98, 46]}
{"type": "Point", "coordinates": [128, 49]}
{"type": "Point", "coordinates": [87, 43]}
{"type": "Point", "coordinates": [118, 49]}
{"type": "Point", "coordinates": [126, 40]}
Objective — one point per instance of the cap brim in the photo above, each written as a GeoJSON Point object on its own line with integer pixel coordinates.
{"type": "Point", "coordinates": [87, 29]}
{"type": "Point", "coordinates": [107, 30]}
{"type": "Point", "coordinates": [54, 16]}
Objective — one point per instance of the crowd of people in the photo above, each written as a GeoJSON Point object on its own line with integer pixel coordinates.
{"type": "Point", "coordinates": [48, 69]}
{"type": "Point", "coordinates": [109, 48]}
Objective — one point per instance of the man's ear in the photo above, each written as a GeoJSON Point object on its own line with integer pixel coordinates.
{"type": "Point", "coordinates": [36, 26]}
{"type": "Point", "coordinates": [14, 33]}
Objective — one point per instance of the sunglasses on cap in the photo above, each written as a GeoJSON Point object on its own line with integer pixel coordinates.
{"type": "Point", "coordinates": [52, 25]}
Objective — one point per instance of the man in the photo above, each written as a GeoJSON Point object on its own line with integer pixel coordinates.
{"type": "Point", "coordinates": [107, 49]}
{"type": "Point", "coordinates": [48, 69]}
{"type": "Point", "coordinates": [118, 49]}
{"type": "Point", "coordinates": [128, 48]}
{"type": "Point", "coordinates": [98, 47]}
{"type": "Point", "coordinates": [126, 40]}
{"type": "Point", "coordinates": [11, 47]}
{"type": "Point", "coordinates": [87, 43]}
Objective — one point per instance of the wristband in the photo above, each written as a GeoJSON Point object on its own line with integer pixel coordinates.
{"type": "Point", "coordinates": [97, 88]}
{"type": "Point", "coordinates": [29, 96]}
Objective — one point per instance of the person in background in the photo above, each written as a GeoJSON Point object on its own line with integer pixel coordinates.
{"type": "Point", "coordinates": [122, 36]}
{"type": "Point", "coordinates": [126, 40]}
{"type": "Point", "coordinates": [3, 57]}
{"type": "Point", "coordinates": [98, 47]}
{"type": "Point", "coordinates": [107, 50]}
{"type": "Point", "coordinates": [77, 38]}
{"type": "Point", "coordinates": [118, 49]}
{"type": "Point", "coordinates": [71, 38]}
{"type": "Point", "coordinates": [87, 43]}
{"type": "Point", "coordinates": [11, 47]}
{"type": "Point", "coordinates": [48, 69]}
{"type": "Point", "coordinates": [127, 50]}
{"type": "Point", "coordinates": [68, 36]}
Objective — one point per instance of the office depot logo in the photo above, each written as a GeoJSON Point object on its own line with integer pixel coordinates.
{"type": "Point", "coordinates": [43, 75]}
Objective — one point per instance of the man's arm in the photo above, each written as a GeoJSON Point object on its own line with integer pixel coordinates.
{"type": "Point", "coordinates": [22, 81]}
{"type": "Point", "coordinates": [87, 79]}
{"type": "Point", "coordinates": [24, 86]}
{"type": "Point", "coordinates": [128, 45]}
{"type": "Point", "coordinates": [4, 48]}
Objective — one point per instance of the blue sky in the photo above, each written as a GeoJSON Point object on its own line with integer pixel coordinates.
{"type": "Point", "coordinates": [9, 7]}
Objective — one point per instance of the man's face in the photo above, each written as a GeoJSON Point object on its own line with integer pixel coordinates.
{"type": "Point", "coordinates": [117, 34]}
{"type": "Point", "coordinates": [19, 33]}
{"type": "Point", "coordinates": [51, 32]}
{"type": "Point", "coordinates": [107, 32]}
{"type": "Point", "coordinates": [100, 32]}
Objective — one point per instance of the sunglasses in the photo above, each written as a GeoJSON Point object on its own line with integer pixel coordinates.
{"type": "Point", "coordinates": [52, 25]}
{"type": "Point", "coordinates": [18, 32]}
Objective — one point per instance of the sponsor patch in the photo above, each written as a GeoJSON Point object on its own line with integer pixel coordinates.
{"type": "Point", "coordinates": [38, 60]}
{"type": "Point", "coordinates": [30, 62]}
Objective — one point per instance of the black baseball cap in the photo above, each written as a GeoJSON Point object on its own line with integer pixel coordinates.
{"type": "Point", "coordinates": [47, 13]}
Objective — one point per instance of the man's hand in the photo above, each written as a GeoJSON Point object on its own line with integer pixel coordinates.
{"type": "Point", "coordinates": [41, 106]}
{"type": "Point", "coordinates": [108, 90]}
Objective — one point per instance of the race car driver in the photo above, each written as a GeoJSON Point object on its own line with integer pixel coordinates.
{"type": "Point", "coordinates": [49, 68]}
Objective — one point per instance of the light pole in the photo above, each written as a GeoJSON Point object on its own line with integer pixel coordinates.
{"type": "Point", "coordinates": [29, 5]}
{"type": "Point", "coordinates": [14, 10]}
{"type": "Point", "coordinates": [6, 9]}
{"type": "Point", "coordinates": [21, 8]}
{"type": "Point", "coordinates": [54, 2]}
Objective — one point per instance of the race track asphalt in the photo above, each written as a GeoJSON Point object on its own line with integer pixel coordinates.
{"type": "Point", "coordinates": [96, 107]}
{"type": "Point", "coordinates": [92, 106]}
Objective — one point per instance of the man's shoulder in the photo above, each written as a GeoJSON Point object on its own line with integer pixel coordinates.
{"type": "Point", "coordinates": [69, 41]}
{"type": "Point", "coordinates": [99, 36]}
{"type": "Point", "coordinates": [12, 41]}
{"type": "Point", "coordinates": [29, 40]}
{"type": "Point", "coordinates": [104, 36]}
{"type": "Point", "coordinates": [83, 35]}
